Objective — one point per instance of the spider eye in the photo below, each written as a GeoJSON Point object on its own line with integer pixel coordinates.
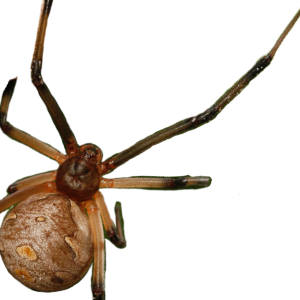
{"type": "Point", "coordinates": [91, 152]}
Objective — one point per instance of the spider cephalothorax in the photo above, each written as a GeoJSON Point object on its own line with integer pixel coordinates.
{"type": "Point", "coordinates": [78, 177]}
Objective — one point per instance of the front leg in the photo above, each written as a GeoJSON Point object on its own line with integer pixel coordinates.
{"type": "Point", "coordinates": [194, 122]}
{"type": "Point", "coordinates": [19, 135]}
{"type": "Point", "coordinates": [55, 112]}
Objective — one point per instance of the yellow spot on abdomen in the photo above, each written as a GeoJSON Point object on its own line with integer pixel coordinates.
{"type": "Point", "coordinates": [71, 244]}
{"type": "Point", "coordinates": [23, 274]}
{"type": "Point", "coordinates": [27, 252]}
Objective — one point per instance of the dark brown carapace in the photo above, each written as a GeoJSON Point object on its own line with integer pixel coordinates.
{"type": "Point", "coordinates": [78, 177]}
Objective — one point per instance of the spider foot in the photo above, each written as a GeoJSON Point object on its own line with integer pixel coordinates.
{"type": "Point", "coordinates": [118, 241]}
{"type": "Point", "coordinates": [99, 295]}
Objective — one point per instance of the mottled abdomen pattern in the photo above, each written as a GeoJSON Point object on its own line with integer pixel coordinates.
{"type": "Point", "coordinates": [46, 243]}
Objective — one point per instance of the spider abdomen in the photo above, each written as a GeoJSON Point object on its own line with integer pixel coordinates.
{"type": "Point", "coordinates": [78, 178]}
{"type": "Point", "coordinates": [46, 243]}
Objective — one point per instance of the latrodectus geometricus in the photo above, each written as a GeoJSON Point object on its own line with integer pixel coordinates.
{"type": "Point", "coordinates": [47, 242]}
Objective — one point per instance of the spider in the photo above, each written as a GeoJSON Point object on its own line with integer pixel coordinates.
{"type": "Point", "coordinates": [53, 205]}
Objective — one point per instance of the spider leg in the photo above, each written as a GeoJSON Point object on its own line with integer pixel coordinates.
{"type": "Point", "coordinates": [8, 201]}
{"type": "Point", "coordinates": [114, 233]}
{"type": "Point", "coordinates": [54, 110]}
{"type": "Point", "coordinates": [32, 180]}
{"type": "Point", "coordinates": [120, 224]}
{"type": "Point", "coordinates": [157, 183]}
{"type": "Point", "coordinates": [194, 122]}
{"type": "Point", "coordinates": [98, 278]}
{"type": "Point", "coordinates": [19, 135]}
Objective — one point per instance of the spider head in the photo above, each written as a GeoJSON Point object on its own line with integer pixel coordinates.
{"type": "Point", "coordinates": [91, 153]}
{"type": "Point", "coordinates": [78, 176]}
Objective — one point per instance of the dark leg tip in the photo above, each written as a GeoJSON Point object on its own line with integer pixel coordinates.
{"type": "Point", "coordinates": [99, 296]}
{"type": "Point", "coordinates": [11, 189]}
{"type": "Point", "coordinates": [115, 239]}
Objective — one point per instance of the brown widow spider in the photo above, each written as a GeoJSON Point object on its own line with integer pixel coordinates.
{"type": "Point", "coordinates": [47, 241]}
